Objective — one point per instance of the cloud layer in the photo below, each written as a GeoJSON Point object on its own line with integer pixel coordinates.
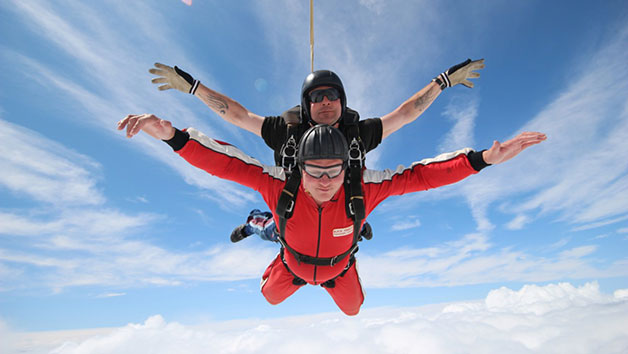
{"type": "Point", "coordinates": [556, 318]}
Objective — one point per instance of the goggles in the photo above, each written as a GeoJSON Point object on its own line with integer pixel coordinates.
{"type": "Point", "coordinates": [331, 93]}
{"type": "Point", "coordinates": [319, 171]}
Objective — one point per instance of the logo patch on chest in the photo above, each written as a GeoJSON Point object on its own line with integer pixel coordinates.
{"type": "Point", "coordinates": [343, 231]}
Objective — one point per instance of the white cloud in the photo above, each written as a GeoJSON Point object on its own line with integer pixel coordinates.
{"type": "Point", "coordinates": [107, 295]}
{"type": "Point", "coordinates": [102, 50]}
{"type": "Point", "coordinates": [80, 241]}
{"type": "Point", "coordinates": [575, 173]}
{"type": "Point", "coordinates": [518, 222]}
{"type": "Point", "coordinates": [556, 318]}
{"type": "Point", "coordinates": [406, 225]}
{"type": "Point", "coordinates": [45, 170]}
{"type": "Point", "coordinates": [474, 260]}
{"type": "Point", "coordinates": [462, 110]}
{"type": "Point", "coordinates": [370, 83]}
{"type": "Point", "coordinates": [594, 225]}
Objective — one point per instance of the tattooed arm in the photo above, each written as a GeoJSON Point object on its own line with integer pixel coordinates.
{"type": "Point", "coordinates": [410, 110]}
{"type": "Point", "coordinates": [169, 77]}
{"type": "Point", "coordinates": [230, 110]}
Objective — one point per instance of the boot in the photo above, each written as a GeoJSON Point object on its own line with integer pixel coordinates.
{"type": "Point", "coordinates": [367, 232]}
{"type": "Point", "coordinates": [238, 234]}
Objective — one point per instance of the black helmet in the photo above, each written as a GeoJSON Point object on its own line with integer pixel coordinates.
{"type": "Point", "coordinates": [316, 79]}
{"type": "Point", "coordinates": [322, 142]}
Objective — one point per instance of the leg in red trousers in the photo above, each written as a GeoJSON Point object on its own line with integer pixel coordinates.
{"type": "Point", "coordinates": [277, 282]}
{"type": "Point", "coordinates": [347, 292]}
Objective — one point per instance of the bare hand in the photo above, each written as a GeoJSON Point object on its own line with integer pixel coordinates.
{"type": "Point", "coordinates": [502, 152]}
{"type": "Point", "coordinates": [149, 123]}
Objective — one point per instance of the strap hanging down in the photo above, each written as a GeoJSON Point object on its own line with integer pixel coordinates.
{"type": "Point", "coordinates": [312, 34]}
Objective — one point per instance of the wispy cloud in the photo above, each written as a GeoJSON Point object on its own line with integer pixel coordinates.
{"type": "Point", "coordinates": [556, 318]}
{"type": "Point", "coordinates": [101, 50]}
{"type": "Point", "coordinates": [107, 295]}
{"type": "Point", "coordinates": [406, 224]}
{"type": "Point", "coordinates": [72, 238]}
{"type": "Point", "coordinates": [462, 111]}
{"type": "Point", "coordinates": [518, 222]}
{"type": "Point", "coordinates": [45, 170]}
{"type": "Point", "coordinates": [576, 173]}
{"type": "Point", "coordinates": [473, 259]}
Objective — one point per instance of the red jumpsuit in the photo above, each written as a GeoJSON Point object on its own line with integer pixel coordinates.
{"type": "Point", "coordinates": [323, 231]}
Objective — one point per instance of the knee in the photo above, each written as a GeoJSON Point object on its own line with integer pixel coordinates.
{"type": "Point", "coordinates": [351, 311]}
{"type": "Point", "coordinates": [271, 298]}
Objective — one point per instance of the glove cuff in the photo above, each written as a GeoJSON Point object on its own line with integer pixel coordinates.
{"type": "Point", "coordinates": [442, 80]}
{"type": "Point", "coordinates": [194, 86]}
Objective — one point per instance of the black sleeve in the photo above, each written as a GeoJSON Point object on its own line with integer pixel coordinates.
{"type": "Point", "coordinates": [179, 140]}
{"type": "Point", "coordinates": [371, 132]}
{"type": "Point", "coordinates": [274, 132]}
{"type": "Point", "coordinates": [476, 160]}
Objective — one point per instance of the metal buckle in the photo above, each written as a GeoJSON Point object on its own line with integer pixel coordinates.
{"type": "Point", "coordinates": [333, 261]}
{"type": "Point", "coordinates": [355, 154]}
{"type": "Point", "coordinates": [289, 153]}
{"type": "Point", "coordinates": [290, 206]}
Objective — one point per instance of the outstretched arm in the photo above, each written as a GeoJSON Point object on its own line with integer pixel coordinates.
{"type": "Point", "coordinates": [219, 159]}
{"type": "Point", "coordinates": [412, 108]}
{"type": "Point", "coordinates": [443, 169]}
{"type": "Point", "coordinates": [227, 108]}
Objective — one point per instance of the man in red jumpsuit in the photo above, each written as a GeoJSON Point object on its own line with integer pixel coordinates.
{"type": "Point", "coordinates": [319, 227]}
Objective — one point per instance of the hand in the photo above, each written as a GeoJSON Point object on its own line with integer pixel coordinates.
{"type": "Point", "coordinates": [460, 73]}
{"type": "Point", "coordinates": [502, 152]}
{"type": "Point", "coordinates": [149, 123]}
{"type": "Point", "coordinates": [173, 78]}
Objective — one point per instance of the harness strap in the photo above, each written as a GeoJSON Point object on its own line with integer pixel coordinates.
{"type": "Point", "coordinates": [285, 205]}
{"type": "Point", "coordinates": [296, 281]}
{"type": "Point", "coordinates": [354, 199]}
{"type": "Point", "coordinates": [290, 147]}
{"type": "Point", "coordinates": [331, 283]}
{"type": "Point", "coordinates": [318, 261]}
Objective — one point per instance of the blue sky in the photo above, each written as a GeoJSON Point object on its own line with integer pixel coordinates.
{"type": "Point", "coordinates": [99, 231]}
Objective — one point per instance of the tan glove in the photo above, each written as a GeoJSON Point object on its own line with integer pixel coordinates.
{"type": "Point", "coordinates": [173, 78]}
{"type": "Point", "coordinates": [460, 73]}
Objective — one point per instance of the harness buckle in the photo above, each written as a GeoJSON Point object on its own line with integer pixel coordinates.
{"type": "Point", "coordinates": [290, 206]}
{"type": "Point", "coordinates": [355, 154]}
{"type": "Point", "coordinates": [289, 154]}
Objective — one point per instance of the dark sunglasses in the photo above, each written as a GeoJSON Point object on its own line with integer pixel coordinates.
{"type": "Point", "coordinates": [320, 171]}
{"type": "Point", "coordinates": [332, 94]}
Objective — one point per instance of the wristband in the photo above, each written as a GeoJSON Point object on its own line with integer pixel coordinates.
{"type": "Point", "coordinates": [443, 83]}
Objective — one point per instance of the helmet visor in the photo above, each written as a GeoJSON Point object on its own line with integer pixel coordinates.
{"type": "Point", "coordinates": [319, 171]}
{"type": "Point", "coordinates": [331, 93]}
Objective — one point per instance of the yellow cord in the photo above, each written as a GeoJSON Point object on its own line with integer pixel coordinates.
{"type": "Point", "coordinates": [312, 33]}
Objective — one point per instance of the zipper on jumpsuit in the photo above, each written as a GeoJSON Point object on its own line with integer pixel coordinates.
{"type": "Point", "coordinates": [318, 243]}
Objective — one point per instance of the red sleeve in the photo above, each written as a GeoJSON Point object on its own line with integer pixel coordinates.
{"type": "Point", "coordinates": [420, 176]}
{"type": "Point", "coordinates": [228, 162]}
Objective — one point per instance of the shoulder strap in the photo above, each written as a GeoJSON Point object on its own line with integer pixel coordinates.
{"type": "Point", "coordinates": [288, 153]}
{"type": "Point", "coordinates": [354, 198]}
{"type": "Point", "coordinates": [285, 206]}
